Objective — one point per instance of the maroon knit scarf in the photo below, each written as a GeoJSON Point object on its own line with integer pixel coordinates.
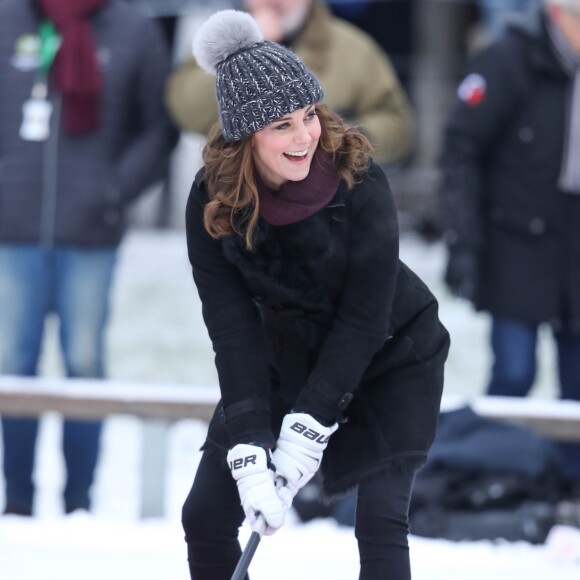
{"type": "Point", "coordinates": [76, 71]}
{"type": "Point", "coordinates": [298, 200]}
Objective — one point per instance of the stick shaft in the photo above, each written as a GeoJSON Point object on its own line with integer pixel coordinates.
{"type": "Point", "coordinates": [246, 557]}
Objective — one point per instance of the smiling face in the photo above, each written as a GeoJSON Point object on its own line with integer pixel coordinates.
{"type": "Point", "coordinates": [283, 151]}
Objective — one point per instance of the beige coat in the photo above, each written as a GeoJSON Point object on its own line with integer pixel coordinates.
{"type": "Point", "coordinates": [357, 77]}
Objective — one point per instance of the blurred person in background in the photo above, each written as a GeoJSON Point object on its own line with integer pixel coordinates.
{"type": "Point", "coordinates": [390, 24]}
{"type": "Point", "coordinates": [496, 14]}
{"type": "Point", "coordinates": [511, 198]}
{"type": "Point", "coordinates": [83, 131]}
{"type": "Point", "coordinates": [329, 350]}
{"type": "Point", "coordinates": [358, 78]}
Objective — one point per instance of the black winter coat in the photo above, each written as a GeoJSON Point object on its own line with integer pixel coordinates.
{"type": "Point", "coordinates": [500, 195]}
{"type": "Point", "coordinates": [75, 189]}
{"type": "Point", "coordinates": [322, 317]}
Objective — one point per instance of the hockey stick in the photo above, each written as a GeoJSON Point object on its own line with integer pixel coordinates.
{"type": "Point", "coordinates": [250, 549]}
{"type": "Point", "coordinates": [246, 557]}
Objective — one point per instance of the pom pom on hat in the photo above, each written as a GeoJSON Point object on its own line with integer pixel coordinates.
{"type": "Point", "coordinates": [257, 81]}
{"type": "Point", "coordinates": [224, 34]}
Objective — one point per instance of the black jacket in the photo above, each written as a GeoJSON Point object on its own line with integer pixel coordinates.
{"type": "Point", "coordinates": [74, 189]}
{"type": "Point", "coordinates": [323, 310]}
{"type": "Point", "coordinates": [500, 196]}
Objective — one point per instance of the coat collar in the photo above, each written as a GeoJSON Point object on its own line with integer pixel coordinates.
{"type": "Point", "coordinates": [200, 178]}
{"type": "Point", "coordinates": [533, 29]}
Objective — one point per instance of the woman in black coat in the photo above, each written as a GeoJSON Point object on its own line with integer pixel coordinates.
{"type": "Point", "coordinates": [328, 349]}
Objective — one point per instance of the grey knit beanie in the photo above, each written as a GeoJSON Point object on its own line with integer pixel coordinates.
{"type": "Point", "coordinates": [257, 81]}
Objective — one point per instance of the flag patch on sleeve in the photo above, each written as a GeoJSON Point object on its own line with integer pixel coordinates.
{"type": "Point", "coordinates": [472, 89]}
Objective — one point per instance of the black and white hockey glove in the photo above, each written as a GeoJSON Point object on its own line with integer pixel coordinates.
{"type": "Point", "coordinates": [264, 510]}
{"type": "Point", "coordinates": [299, 450]}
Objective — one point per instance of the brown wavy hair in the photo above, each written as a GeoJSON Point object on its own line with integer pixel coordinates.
{"type": "Point", "coordinates": [229, 174]}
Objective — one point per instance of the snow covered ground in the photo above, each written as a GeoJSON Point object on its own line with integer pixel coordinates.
{"type": "Point", "coordinates": [157, 335]}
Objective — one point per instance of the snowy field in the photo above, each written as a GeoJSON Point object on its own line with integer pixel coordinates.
{"type": "Point", "coordinates": [157, 336]}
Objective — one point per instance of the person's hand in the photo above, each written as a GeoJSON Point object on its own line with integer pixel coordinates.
{"type": "Point", "coordinates": [299, 450]}
{"type": "Point", "coordinates": [250, 468]}
{"type": "Point", "coordinates": [461, 276]}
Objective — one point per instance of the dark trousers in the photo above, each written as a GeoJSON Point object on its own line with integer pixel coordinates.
{"type": "Point", "coordinates": [212, 515]}
{"type": "Point", "coordinates": [514, 369]}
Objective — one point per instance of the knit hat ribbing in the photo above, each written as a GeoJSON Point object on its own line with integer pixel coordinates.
{"type": "Point", "coordinates": [257, 81]}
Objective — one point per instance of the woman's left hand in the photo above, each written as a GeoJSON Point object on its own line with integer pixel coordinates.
{"type": "Point", "coordinates": [299, 450]}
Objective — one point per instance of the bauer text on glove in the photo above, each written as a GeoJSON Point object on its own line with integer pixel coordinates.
{"type": "Point", "coordinates": [250, 468]}
{"type": "Point", "coordinates": [299, 450]}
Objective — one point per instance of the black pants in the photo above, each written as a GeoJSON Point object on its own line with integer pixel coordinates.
{"type": "Point", "coordinates": [212, 515]}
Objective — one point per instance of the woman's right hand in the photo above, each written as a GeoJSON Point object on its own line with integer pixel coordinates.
{"type": "Point", "coordinates": [249, 465]}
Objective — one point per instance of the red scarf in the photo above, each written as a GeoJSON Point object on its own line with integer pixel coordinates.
{"type": "Point", "coordinates": [76, 71]}
{"type": "Point", "coordinates": [297, 200]}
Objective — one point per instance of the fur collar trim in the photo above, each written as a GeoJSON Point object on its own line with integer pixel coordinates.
{"type": "Point", "coordinates": [291, 262]}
